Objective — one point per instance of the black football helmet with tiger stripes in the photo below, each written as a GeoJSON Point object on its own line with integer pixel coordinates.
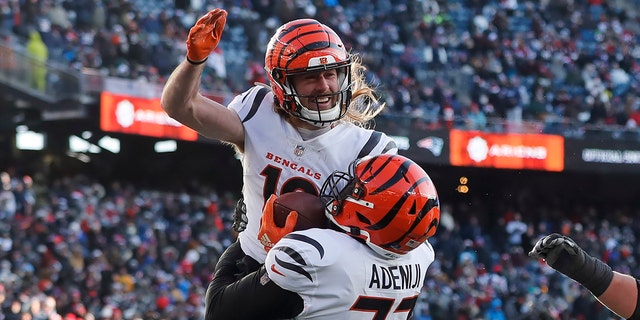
{"type": "Point", "coordinates": [388, 201]}
{"type": "Point", "coordinates": [303, 46]}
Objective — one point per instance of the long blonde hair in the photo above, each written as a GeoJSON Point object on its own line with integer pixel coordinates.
{"type": "Point", "coordinates": [365, 105]}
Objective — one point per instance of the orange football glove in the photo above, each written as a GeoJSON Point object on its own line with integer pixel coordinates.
{"type": "Point", "coordinates": [269, 232]}
{"type": "Point", "coordinates": [205, 35]}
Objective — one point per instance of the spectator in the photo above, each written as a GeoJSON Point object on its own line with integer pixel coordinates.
{"type": "Point", "coordinates": [7, 55]}
{"type": "Point", "coordinates": [491, 43]}
{"type": "Point", "coordinates": [14, 311]}
{"type": "Point", "coordinates": [515, 229]}
{"type": "Point", "coordinates": [495, 311]}
{"type": "Point", "coordinates": [39, 55]}
{"type": "Point", "coordinates": [475, 117]}
{"type": "Point", "coordinates": [8, 205]}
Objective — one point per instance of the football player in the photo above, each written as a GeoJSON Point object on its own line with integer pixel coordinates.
{"type": "Point", "coordinates": [291, 135]}
{"type": "Point", "coordinates": [616, 291]}
{"type": "Point", "coordinates": [370, 264]}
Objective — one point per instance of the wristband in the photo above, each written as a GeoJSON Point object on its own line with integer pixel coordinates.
{"type": "Point", "coordinates": [195, 63]}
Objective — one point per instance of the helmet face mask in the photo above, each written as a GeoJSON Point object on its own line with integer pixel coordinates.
{"type": "Point", "coordinates": [301, 47]}
{"type": "Point", "coordinates": [387, 201]}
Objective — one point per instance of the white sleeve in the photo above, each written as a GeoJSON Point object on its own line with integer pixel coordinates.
{"type": "Point", "coordinates": [246, 103]}
{"type": "Point", "coordinates": [292, 262]}
{"type": "Point", "coordinates": [380, 143]}
{"type": "Point", "coordinates": [389, 146]}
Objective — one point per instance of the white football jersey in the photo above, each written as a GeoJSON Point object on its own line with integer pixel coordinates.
{"type": "Point", "coordinates": [277, 160]}
{"type": "Point", "coordinates": [339, 277]}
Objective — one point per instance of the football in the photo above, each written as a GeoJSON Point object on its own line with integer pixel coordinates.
{"type": "Point", "coordinates": [309, 207]}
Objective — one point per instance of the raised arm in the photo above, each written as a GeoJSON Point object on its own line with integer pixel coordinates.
{"type": "Point", "coordinates": [181, 97]}
{"type": "Point", "coordinates": [616, 291]}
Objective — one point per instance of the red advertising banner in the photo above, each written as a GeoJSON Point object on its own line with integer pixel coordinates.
{"type": "Point", "coordinates": [141, 116]}
{"type": "Point", "coordinates": [507, 151]}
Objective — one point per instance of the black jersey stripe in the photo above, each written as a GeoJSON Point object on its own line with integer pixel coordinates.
{"type": "Point", "coordinates": [374, 139]}
{"type": "Point", "coordinates": [293, 267]}
{"type": "Point", "coordinates": [390, 145]}
{"type": "Point", "coordinates": [257, 100]}
{"type": "Point", "coordinates": [293, 254]}
{"type": "Point", "coordinates": [296, 256]}
{"type": "Point", "coordinates": [307, 240]}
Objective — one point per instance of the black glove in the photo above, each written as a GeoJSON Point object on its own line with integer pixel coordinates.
{"type": "Point", "coordinates": [560, 252]}
{"type": "Point", "coordinates": [240, 216]}
{"type": "Point", "coordinates": [564, 255]}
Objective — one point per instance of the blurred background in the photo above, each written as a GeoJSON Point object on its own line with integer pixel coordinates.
{"type": "Point", "coordinates": [524, 113]}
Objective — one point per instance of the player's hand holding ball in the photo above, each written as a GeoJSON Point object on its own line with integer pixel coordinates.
{"type": "Point", "coordinates": [270, 232]}
{"type": "Point", "coordinates": [291, 211]}
{"type": "Point", "coordinates": [205, 35]}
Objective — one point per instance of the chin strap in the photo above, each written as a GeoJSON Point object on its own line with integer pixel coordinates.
{"type": "Point", "coordinates": [309, 116]}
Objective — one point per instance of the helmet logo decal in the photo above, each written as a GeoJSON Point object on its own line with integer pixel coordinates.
{"type": "Point", "coordinates": [321, 61]}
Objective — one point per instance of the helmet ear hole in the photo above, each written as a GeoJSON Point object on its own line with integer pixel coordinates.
{"type": "Point", "coordinates": [276, 75]}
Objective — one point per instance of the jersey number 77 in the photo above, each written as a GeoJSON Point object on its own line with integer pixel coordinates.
{"type": "Point", "coordinates": [382, 306]}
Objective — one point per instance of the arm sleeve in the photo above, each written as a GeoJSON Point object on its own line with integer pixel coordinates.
{"type": "Point", "coordinates": [253, 297]}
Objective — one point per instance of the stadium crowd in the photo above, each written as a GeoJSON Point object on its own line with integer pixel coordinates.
{"type": "Point", "coordinates": [563, 62]}
{"type": "Point", "coordinates": [76, 248]}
